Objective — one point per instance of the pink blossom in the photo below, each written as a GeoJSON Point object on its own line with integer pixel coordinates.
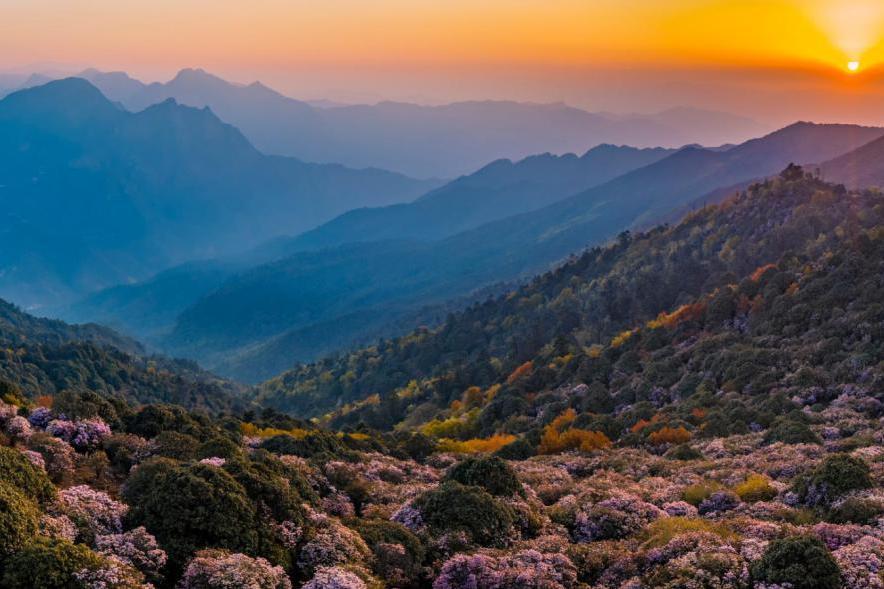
{"type": "Point", "coordinates": [334, 578]}
{"type": "Point", "coordinates": [214, 461]}
{"type": "Point", "coordinates": [18, 428]}
{"type": "Point", "coordinates": [219, 569]}
{"type": "Point", "coordinates": [136, 547]}
{"type": "Point", "coordinates": [94, 512]}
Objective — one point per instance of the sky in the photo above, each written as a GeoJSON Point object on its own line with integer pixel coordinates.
{"type": "Point", "coordinates": [772, 59]}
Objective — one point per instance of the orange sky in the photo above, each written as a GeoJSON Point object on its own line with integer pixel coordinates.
{"type": "Point", "coordinates": [607, 54]}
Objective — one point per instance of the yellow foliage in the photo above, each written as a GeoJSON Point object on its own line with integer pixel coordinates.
{"type": "Point", "coordinates": [594, 351]}
{"type": "Point", "coordinates": [491, 393]}
{"type": "Point", "coordinates": [756, 487]}
{"type": "Point", "coordinates": [622, 338]}
{"type": "Point", "coordinates": [476, 445]}
{"type": "Point", "coordinates": [659, 532]}
{"type": "Point", "coordinates": [251, 430]}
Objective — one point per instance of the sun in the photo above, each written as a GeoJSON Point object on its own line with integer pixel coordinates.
{"type": "Point", "coordinates": [853, 66]}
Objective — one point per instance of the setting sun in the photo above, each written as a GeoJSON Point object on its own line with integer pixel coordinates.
{"type": "Point", "coordinates": [853, 66]}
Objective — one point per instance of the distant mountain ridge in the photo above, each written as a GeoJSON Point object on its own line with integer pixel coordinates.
{"type": "Point", "coordinates": [93, 195]}
{"type": "Point", "coordinates": [245, 322]}
{"type": "Point", "coordinates": [498, 190]}
{"type": "Point", "coordinates": [421, 141]}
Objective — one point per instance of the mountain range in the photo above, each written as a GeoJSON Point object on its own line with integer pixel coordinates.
{"type": "Point", "coordinates": [442, 141]}
{"type": "Point", "coordinates": [730, 305]}
{"type": "Point", "coordinates": [311, 302]}
{"type": "Point", "coordinates": [93, 195]}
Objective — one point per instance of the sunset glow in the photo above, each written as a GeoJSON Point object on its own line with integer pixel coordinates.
{"type": "Point", "coordinates": [460, 49]}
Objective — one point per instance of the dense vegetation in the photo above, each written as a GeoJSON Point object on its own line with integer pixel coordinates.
{"type": "Point", "coordinates": [264, 320]}
{"type": "Point", "coordinates": [46, 357]}
{"type": "Point", "coordinates": [723, 301]}
{"type": "Point", "coordinates": [696, 406]}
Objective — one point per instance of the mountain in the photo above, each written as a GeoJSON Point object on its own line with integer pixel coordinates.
{"type": "Point", "coordinates": [736, 298]}
{"type": "Point", "coordinates": [500, 189]}
{"type": "Point", "coordinates": [148, 308]}
{"type": "Point", "coordinates": [93, 195]}
{"type": "Point", "coordinates": [249, 321]}
{"type": "Point", "coordinates": [859, 168]}
{"type": "Point", "coordinates": [421, 141]}
{"type": "Point", "coordinates": [46, 357]}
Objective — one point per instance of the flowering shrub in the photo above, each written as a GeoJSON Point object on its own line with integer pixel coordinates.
{"type": "Point", "coordinates": [617, 517]}
{"type": "Point", "coordinates": [528, 569]}
{"type": "Point", "coordinates": [94, 512]}
{"type": "Point", "coordinates": [218, 569]}
{"type": "Point", "coordinates": [111, 573]}
{"type": "Point", "coordinates": [137, 548]}
{"type": "Point", "coordinates": [861, 563]}
{"type": "Point", "coordinates": [40, 417]}
{"type": "Point", "coordinates": [334, 578]}
{"type": "Point", "coordinates": [59, 527]}
{"type": "Point", "coordinates": [331, 544]}
{"type": "Point", "coordinates": [18, 428]}
{"type": "Point", "coordinates": [83, 435]}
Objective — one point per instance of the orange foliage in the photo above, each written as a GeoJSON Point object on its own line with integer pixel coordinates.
{"type": "Point", "coordinates": [456, 405]}
{"type": "Point", "coordinates": [759, 272]}
{"type": "Point", "coordinates": [698, 412]}
{"type": "Point", "coordinates": [477, 445]}
{"type": "Point", "coordinates": [520, 372]}
{"type": "Point", "coordinates": [793, 288]}
{"type": "Point", "coordinates": [565, 419]}
{"type": "Point", "coordinates": [691, 312]}
{"type": "Point", "coordinates": [640, 425]}
{"type": "Point", "coordinates": [670, 435]}
{"type": "Point", "coordinates": [473, 397]}
{"type": "Point", "coordinates": [553, 442]}
{"type": "Point", "coordinates": [44, 401]}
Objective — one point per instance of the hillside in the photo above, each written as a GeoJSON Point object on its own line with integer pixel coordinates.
{"type": "Point", "coordinates": [47, 357]}
{"type": "Point", "coordinates": [267, 303]}
{"type": "Point", "coordinates": [660, 412]}
{"type": "Point", "coordinates": [421, 141]}
{"type": "Point", "coordinates": [149, 309]}
{"type": "Point", "coordinates": [93, 195]}
{"type": "Point", "coordinates": [738, 298]}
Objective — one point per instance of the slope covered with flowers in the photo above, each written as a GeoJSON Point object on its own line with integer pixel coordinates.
{"type": "Point", "coordinates": [695, 407]}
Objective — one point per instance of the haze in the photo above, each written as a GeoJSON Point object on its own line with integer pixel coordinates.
{"type": "Point", "coordinates": [633, 55]}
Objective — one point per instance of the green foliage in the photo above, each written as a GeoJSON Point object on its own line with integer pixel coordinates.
{"type": "Point", "coordinates": [491, 473]}
{"type": "Point", "coordinates": [405, 567]}
{"type": "Point", "coordinates": [521, 449]}
{"type": "Point", "coordinates": [696, 494]}
{"type": "Point", "coordinates": [188, 507]}
{"type": "Point", "coordinates": [802, 561]}
{"type": "Point", "coordinates": [172, 444]}
{"type": "Point", "coordinates": [855, 510]}
{"type": "Point", "coordinates": [48, 564]}
{"type": "Point", "coordinates": [19, 519]}
{"type": "Point", "coordinates": [18, 472]}
{"type": "Point", "coordinates": [316, 444]}
{"type": "Point", "coordinates": [683, 452]}
{"type": "Point", "coordinates": [790, 431]}
{"type": "Point", "coordinates": [833, 477]}
{"type": "Point", "coordinates": [453, 507]}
